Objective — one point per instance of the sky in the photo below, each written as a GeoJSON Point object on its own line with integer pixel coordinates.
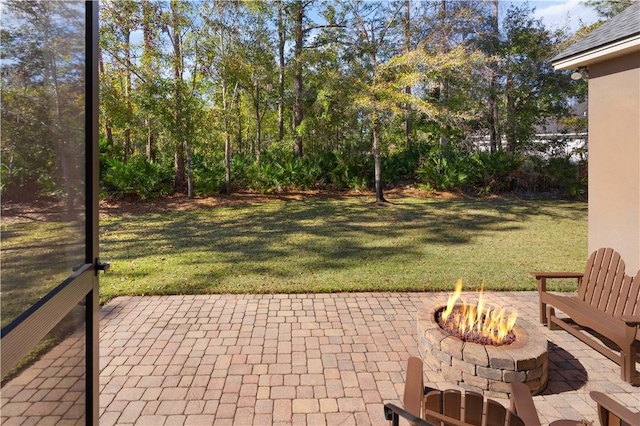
{"type": "Point", "coordinates": [557, 13]}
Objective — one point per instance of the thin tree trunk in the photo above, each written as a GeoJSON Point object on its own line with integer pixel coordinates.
{"type": "Point", "coordinates": [256, 110]}
{"type": "Point", "coordinates": [227, 141]}
{"type": "Point", "coordinates": [127, 89]}
{"type": "Point", "coordinates": [511, 116]}
{"type": "Point", "coordinates": [281, 71]}
{"type": "Point", "coordinates": [407, 89]}
{"type": "Point", "coordinates": [59, 137]}
{"type": "Point", "coordinates": [377, 159]}
{"type": "Point", "coordinates": [239, 123]}
{"type": "Point", "coordinates": [494, 134]}
{"type": "Point", "coordinates": [147, 22]}
{"type": "Point", "coordinates": [190, 184]}
{"type": "Point", "coordinates": [179, 120]}
{"type": "Point", "coordinates": [297, 78]}
{"type": "Point", "coordinates": [108, 132]}
{"type": "Point", "coordinates": [227, 137]}
{"type": "Point", "coordinates": [151, 141]}
{"type": "Point", "coordinates": [444, 84]}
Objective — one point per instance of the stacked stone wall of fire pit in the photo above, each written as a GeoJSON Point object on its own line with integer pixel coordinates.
{"type": "Point", "coordinates": [484, 369]}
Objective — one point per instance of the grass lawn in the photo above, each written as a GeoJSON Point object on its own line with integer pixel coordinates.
{"type": "Point", "coordinates": [37, 254]}
{"type": "Point", "coordinates": [343, 244]}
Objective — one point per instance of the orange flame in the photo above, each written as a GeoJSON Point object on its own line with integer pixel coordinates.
{"type": "Point", "coordinates": [488, 322]}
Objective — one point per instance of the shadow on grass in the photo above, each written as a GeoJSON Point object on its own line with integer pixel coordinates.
{"type": "Point", "coordinates": [292, 242]}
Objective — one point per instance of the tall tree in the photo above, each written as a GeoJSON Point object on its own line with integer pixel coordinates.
{"type": "Point", "coordinates": [298, 14]}
{"type": "Point", "coordinates": [281, 67]}
{"type": "Point", "coordinates": [494, 41]}
{"type": "Point", "coordinates": [301, 30]}
{"type": "Point", "coordinates": [42, 93]}
{"type": "Point", "coordinates": [150, 18]}
{"type": "Point", "coordinates": [407, 48]}
{"type": "Point", "coordinates": [258, 74]}
{"type": "Point", "coordinates": [120, 19]}
{"type": "Point", "coordinates": [533, 90]}
{"type": "Point", "coordinates": [183, 29]}
{"type": "Point", "coordinates": [373, 46]}
{"type": "Point", "coordinates": [384, 73]}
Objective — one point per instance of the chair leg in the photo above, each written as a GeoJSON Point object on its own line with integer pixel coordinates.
{"type": "Point", "coordinates": [628, 364]}
{"type": "Point", "coordinates": [551, 313]}
{"type": "Point", "coordinates": [628, 355]}
{"type": "Point", "coordinates": [541, 283]}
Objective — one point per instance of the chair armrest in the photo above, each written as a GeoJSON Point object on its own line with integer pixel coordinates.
{"type": "Point", "coordinates": [522, 404]}
{"type": "Point", "coordinates": [632, 320]}
{"type": "Point", "coordinates": [607, 406]}
{"type": "Point", "coordinates": [557, 274]}
{"type": "Point", "coordinates": [393, 413]}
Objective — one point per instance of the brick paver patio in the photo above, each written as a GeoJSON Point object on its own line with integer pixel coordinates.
{"type": "Point", "coordinates": [308, 359]}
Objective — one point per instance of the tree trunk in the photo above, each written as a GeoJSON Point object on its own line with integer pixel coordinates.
{"type": "Point", "coordinates": [281, 70]}
{"type": "Point", "coordinates": [298, 10]}
{"type": "Point", "coordinates": [227, 157]}
{"type": "Point", "coordinates": [151, 141]}
{"type": "Point", "coordinates": [179, 181]}
{"type": "Point", "coordinates": [107, 126]}
{"type": "Point", "coordinates": [377, 160]}
{"type": "Point", "coordinates": [256, 110]}
{"type": "Point", "coordinates": [444, 84]}
{"type": "Point", "coordinates": [190, 185]}
{"type": "Point", "coordinates": [511, 116]}
{"type": "Point", "coordinates": [60, 137]}
{"type": "Point", "coordinates": [127, 89]}
{"type": "Point", "coordinates": [147, 33]}
{"type": "Point", "coordinates": [239, 123]}
{"type": "Point", "coordinates": [407, 89]}
{"type": "Point", "coordinates": [494, 134]}
{"type": "Point", "coordinates": [227, 140]}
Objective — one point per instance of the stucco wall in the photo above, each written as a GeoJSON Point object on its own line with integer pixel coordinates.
{"type": "Point", "coordinates": [614, 157]}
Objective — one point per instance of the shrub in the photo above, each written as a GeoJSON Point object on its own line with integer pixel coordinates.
{"type": "Point", "coordinates": [137, 177]}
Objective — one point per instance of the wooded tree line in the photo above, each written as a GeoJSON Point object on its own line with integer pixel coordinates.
{"type": "Point", "coordinates": [207, 96]}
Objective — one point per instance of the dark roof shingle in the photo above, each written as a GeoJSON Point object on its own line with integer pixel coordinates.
{"type": "Point", "coordinates": [623, 25]}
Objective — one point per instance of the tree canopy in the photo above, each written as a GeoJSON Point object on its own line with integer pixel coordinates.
{"type": "Point", "coordinates": [203, 96]}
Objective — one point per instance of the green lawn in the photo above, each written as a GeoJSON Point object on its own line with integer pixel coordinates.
{"type": "Point", "coordinates": [343, 244]}
{"type": "Point", "coordinates": [36, 256]}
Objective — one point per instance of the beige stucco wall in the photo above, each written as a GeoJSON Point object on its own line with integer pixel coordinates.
{"type": "Point", "coordinates": [614, 157]}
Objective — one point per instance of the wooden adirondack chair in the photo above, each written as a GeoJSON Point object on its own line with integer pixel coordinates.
{"type": "Point", "coordinates": [611, 413]}
{"type": "Point", "coordinates": [608, 302]}
{"type": "Point", "coordinates": [426, 406]}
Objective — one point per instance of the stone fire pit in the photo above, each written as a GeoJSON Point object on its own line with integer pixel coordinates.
{"type": "Point", "coordinates": [484, 369]}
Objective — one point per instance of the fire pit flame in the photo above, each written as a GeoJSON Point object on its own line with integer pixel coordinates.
{"type": "Point", "coordinates": [475, 322]}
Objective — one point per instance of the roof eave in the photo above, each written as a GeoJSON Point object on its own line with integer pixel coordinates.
{"type": "Point", "coordinates": [619, 48]}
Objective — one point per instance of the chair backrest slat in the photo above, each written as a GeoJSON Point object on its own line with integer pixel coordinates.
{"type": "Point", "coordinates": [515, 420]}
{"type": "Point", "coordinates": [604, 296]}
{"type": "Point", "coordinates": [632, 307]}
{"type": "Point", "coordinates": [473, 403]}
{"type": "Point", "coordinates": [413, 386]}
{"type": "Point", "coordinates": [496, 413]}
{"type": "Point", "coordinates": [590, 272]}
{"type": "Point", "coordinates": [602, 286]}
{"type": "Point", "coordinates": [432, 402]}
{"type": "Point", "coordinates": [611, 295]}
{"type": "Point", "coordinates": [597, 275]}
{"type": "Point", "coordinates": [452, 403]}
{"type": "Point", "coordinates": [606, 286]}
{"type": "Point", "coordinates": [625, 292]}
